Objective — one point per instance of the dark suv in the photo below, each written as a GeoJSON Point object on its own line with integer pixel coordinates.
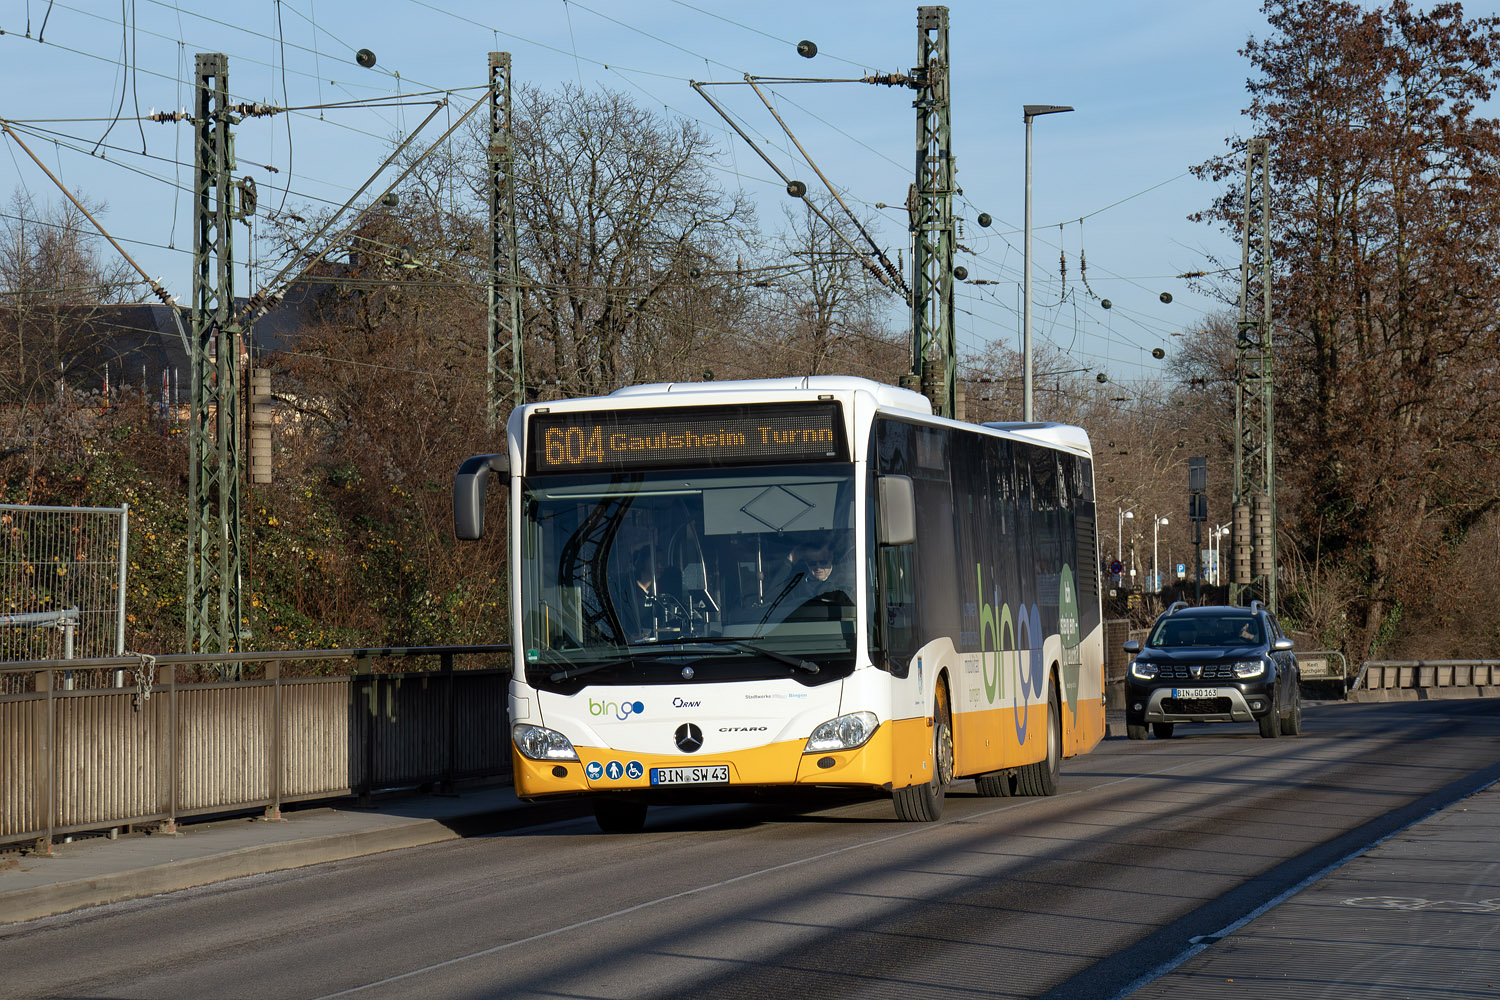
{"type": "Point", "coordinates": [1213, 664]}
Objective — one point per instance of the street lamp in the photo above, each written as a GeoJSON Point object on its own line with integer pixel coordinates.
{"type": "Point", "coordinates": [1030, 111]}
{"type": "Point", "coordinates": [1155, 539]}
{"type": "Point", "coordinates": [1216, 548]}
{"type": "Point", "coordinates": [1124, 515]}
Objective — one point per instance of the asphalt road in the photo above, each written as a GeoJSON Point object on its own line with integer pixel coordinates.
{"type": "Point", "coordinates": [1147, 846]}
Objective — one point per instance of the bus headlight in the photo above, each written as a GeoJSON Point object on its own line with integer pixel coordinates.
{"type": "Point", "coordinates": [844, 733]}
{"type": "Point", "coordinates": [537, 743]}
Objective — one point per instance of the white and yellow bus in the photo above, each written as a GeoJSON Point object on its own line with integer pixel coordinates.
{"type": "Point", "coordinates": [725, 588]}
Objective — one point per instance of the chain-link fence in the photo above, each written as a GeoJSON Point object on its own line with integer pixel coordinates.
{"type": "Point", "coordinates": [62, 581]}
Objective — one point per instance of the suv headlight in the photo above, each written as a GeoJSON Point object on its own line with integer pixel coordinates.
{"type": "Point", "coordinates": [844, 733]}
{"type": "Point", "coordinates": [1249, 668]}
{"type": "Point", "coordinates": [1142, 671]}
{"type": "Point", "coordinates": [537, 743]}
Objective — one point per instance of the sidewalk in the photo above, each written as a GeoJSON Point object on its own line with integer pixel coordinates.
{"type": "Point", "coordinates": [94, 869]}
{"type": "Point", "coordinates": [1416, 915]}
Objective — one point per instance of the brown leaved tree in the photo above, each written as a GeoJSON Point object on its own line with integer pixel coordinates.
{"type": "Point", "coordinates": [1385, 225]}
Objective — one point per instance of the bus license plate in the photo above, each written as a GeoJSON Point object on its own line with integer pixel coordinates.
{"type": "Point", "coordinates": [1194, 693]}
{"type": "Point", "coordinates": [717, 774]}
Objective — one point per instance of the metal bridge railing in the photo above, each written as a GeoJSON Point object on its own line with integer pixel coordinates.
{"type": "Point", "coordinates": [144, 741]}
{"type": "Point", "coordinates": [1377, 675]}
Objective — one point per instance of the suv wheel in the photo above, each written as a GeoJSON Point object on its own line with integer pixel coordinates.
{"type": "Point", "coordinates": [1292, 724]}
{"type": "Point", "coordinates": [1163, 730]}
{"type": "Point", "coordinates": [1270, 723]}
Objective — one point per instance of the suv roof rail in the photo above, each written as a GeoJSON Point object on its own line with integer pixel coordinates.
{"type": "Point", "coordinates": [1256, 606]}
{"type": "Point", "coordinates": [1176, 607]}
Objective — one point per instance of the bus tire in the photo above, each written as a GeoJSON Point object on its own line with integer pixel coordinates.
{"type": "Point", "coordinates": [619, 815]}
{"type": "Point", "coordinates": [1041, 778]}
{"type": "Point", "coordinates": [1000, 785]}
{"type": "Point", "coordinates": [924, 803]}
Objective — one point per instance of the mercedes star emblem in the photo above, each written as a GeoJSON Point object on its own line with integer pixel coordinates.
{"type": "Point", "coordinates": [689, 738]}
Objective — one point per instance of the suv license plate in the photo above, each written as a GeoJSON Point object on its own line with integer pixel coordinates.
{"type": "Point", "coordinates": [717, 774]}
{"type": "Point", "coordinates": [1194, 693]}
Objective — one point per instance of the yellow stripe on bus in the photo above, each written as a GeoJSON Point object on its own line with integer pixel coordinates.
{"type": "Point", "coordinates": [870, 766]}
{"type": "Point", "coordinates": [898, 755]}
{"type": "Point", "coordinates": [985, 741]}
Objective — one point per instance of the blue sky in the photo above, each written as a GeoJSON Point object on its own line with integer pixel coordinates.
{"type": "Point", "coordinates": [1157, 86]}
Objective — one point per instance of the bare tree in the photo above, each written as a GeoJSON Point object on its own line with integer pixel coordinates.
{"type": "Point", "coordinates": [619, 221]}
{"type": "Point", "coordinates": [818, 310]}
{"type": "Point", "coordinates": [53, 282]}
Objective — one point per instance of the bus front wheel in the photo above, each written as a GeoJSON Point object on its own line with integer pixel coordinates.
{"type": "Point", "coordinates": [924, 803]}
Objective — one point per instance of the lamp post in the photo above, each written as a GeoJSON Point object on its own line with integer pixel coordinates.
{"type": "Point", "coordinates": [1216, 547]}
{"type": "Point", "coordinates": [1155, 542]}
{"type": "Point", "coordinates": [1030, 111]}
{"type": "Point", "coordinates": [1124, 515]}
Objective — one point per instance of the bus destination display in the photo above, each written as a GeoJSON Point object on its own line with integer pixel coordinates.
{"type": "Point", "coordinates": [699, 436]}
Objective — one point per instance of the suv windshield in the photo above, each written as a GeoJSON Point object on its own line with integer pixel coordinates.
{"type": "Point", "coordinates": [1203, 630]}
{"type": "Point", "coordinates": [729, 570]}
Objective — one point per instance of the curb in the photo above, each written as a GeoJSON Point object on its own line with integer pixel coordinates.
{"type": "Point", "coordinates": [1423, 694]}
{"type": "Point", "coordinates": [47, 900]}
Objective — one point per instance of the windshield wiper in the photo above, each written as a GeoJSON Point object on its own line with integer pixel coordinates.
{"type": "Point", "coordinates": [712, 640]}
{"type": "Point", "coordinates": [725, 640]}
{"type": "Point", "coordinates": [589, 668]}
{"type": "Point", "coordinates": [571, 672]}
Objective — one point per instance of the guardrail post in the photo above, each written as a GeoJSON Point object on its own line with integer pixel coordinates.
{"type": "Point", "coordinates": [278, 730]}
{"type": "Point", "coordinates": [450, 716]}
{"type": "Point", "coordinates": [165, 750]}
{"type": "Point", "coordinates": [365, 680]}
{"type": "Point", "coordinates": [45, 765]}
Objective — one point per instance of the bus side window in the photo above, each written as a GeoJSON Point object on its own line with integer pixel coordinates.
{"type": "Point", "coordinates": [898, 587]}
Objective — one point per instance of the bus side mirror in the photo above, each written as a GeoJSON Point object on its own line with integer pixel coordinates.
{"type": "Point", "coordinates": [898, 511]}
{"type": "Point", "coordinates": [468, 493]}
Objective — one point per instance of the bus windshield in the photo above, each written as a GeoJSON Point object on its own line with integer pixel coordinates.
{"type": "Point", "coordinates": [741, 571]}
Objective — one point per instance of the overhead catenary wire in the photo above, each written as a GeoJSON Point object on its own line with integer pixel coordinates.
{"type": "Point", "coordinates": [268, 291]}
{"type": "Point", "coordinates": [615, 69]}
{"type": "Point", "coordinates": [874, 247]}
{"type": "Point", "coordinates": [155, 285]}
{"type": "Point", "coordinates": [885, 281]}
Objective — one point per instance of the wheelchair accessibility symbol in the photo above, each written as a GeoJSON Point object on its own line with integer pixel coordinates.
{"type": "Point", "coordinates": [634, 770]}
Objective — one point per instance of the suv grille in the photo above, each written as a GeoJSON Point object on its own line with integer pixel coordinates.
{"type": "Point", "coordinates": [1183, 672]}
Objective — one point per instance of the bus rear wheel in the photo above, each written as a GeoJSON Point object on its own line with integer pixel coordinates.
{"type": "Point", "coordinates": [924, 803]}
{"type": "Point", "coordinates": [619, 815]}
{"type": "Point", "coordinates": [1041, 778]}
{"type": "Point", "coordinates": [1000, 785]}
